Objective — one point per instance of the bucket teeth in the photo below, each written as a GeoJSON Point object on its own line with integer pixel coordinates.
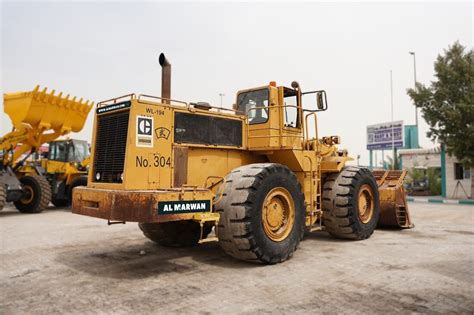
{"type": "Point", "coordinates": [45, 109]}
{"type": "Point", "coordinates": [393, 205]}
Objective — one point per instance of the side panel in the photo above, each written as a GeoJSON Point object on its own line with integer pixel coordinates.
{"type": "Point", "coordinates": [149, 147]}
{"type": "Point", "coordinates": [205, 162]}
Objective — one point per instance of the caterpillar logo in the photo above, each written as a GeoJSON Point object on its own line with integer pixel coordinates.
{"type": "Point", "coordinates": [173, 207]}
{"type": "Point", "coordinates": [144, 131]}
{"type": "Point", "coordinates": [144, 126]}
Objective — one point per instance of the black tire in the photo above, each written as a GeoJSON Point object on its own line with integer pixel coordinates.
{"type": "Point", "coordinates": [175, 234]}
{"type": "Point", "coordinates": [38, 194]}
{"type": "Point", "coordinates": [3, 196]}
{"type": "Point", "coordinates": [241, 230]}
{"type": "Point", "coordinates": [341, 204]}
{"type": "Point", "coordinates": [61, 202]}
{"type": "Point", "coordinates": [80, 181]}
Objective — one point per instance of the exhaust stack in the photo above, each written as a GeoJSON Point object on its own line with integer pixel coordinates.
{"type": "Point", "coordinates": [165, 78]}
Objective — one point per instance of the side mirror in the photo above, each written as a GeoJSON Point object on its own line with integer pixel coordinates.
{"type": "Point", "coordinates": [321, 100]}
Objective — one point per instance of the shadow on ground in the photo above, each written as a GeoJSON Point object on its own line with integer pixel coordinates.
{"type": "Point", "coordinates": [146, 259]}
{"type": "Point", "coordinates": [11, 211]}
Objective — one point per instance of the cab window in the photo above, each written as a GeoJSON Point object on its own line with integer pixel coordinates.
{"type": "Point", "coordinates": [290, 110]}
{"type": "Point", "coordinates": [254, 104]}
{"type": "Point", "coordinates": [81, 151]}
{"type": "Point", "coordinates": [58, 151]}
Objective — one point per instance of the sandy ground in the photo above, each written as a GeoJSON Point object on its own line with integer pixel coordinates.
{"type": "Point", "coordinates": [57, 262]}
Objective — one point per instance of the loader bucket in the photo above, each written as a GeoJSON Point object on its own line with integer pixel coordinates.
{"type": "Point", "coordinates": [393, 204]}
{"type": "Point", "coordinates": [44, 111]}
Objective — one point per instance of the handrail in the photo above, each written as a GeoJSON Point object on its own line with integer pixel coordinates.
{"type": "Point", "coordinates": [218, 108]}
{"type": "Point", "coordinates": [131, 95]}
{"type": "Point", "coordinates": [188, 105]}
{"type": "Point", "coordinates": [315, 128]}
{"type": "Point", "coordinates": [273, 106]}
{"type": "Point", "coordinates": [161, 99]}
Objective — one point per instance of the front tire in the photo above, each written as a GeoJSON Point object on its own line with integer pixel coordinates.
{"type": "Point", "coordinates": [351, 204]}
{"type": "Point", "coordinates": [37, 194]}
{"type": "Point", "coordinates": [262, 213]}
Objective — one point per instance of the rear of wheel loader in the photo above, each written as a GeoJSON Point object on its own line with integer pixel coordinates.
{"type": "Point", "coordinates": [393, 204]}
{"type": "Point", "coordinates": [252, 174]}
{"type": "Point", "coordinates": [37, 117]}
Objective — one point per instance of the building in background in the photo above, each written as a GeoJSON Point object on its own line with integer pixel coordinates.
{"type": "Point", "coordinates": [455, 178]}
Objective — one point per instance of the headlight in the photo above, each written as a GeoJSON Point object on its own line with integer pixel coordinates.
{"type": "Point", "coordinates": [97, 176]}
{"type": "Point", "coordinates": [121, 177]}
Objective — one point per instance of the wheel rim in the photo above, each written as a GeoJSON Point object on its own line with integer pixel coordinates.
{"type": "Point", "coordinates": [29, 195]}
{"type": "Point", "coordinates": [278, 214]}
{"type": "Point", "coordinates": [366, 203]}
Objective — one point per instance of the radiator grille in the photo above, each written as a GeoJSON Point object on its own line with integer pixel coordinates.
{"type": "Point", "coordinates": [201, 129]}
{"type": "Point", "coordinates": [110, 145]}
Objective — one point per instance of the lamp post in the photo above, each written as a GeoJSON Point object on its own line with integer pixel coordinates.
{"type": "Point", "coordinates": [393, 136]}
{"type": "Point", "coordinates": [416, 108]}
{"type": "Point", "coordinates": [221, 95]}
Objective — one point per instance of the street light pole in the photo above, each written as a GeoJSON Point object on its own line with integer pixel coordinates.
{"type": "Point", "coordinates": [416, 108]}
{"type": "Point", "coordinates": [221, 95]}
{"type": "Point", "coordinates": [393, 135]}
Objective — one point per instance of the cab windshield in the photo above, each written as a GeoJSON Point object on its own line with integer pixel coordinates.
{"type": "Point", "coordinates": [68, 151]}
{"type": "Point", "coordinates": [254, 104]}
{"type": "Point", "coordinates": [79, 152]}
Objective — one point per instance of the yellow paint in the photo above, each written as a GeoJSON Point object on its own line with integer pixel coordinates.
{"type": "Point", "coordinates": [270, 141]}
{"type": "Point", "coordinates": [39, 117]}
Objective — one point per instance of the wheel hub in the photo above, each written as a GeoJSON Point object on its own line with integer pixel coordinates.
{"type": "Point", "coordinates": [274, 213]}
{"type": "Point", "coordinates": [366, 203]}
{"type": "Point", "coordinates": [278, 214]}
{"type": "Point", "coordinates": [29, 194]}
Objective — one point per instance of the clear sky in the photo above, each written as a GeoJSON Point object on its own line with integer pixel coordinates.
{"type": "Point", "coordinates": [99, 50]}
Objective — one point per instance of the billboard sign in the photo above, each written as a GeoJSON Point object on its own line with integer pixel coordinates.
{"type": "Point", "coordinates": [379, 137]}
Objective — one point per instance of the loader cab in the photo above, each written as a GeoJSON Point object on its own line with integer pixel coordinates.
{"type": "Point", "coordinates": [68, 151]}
{"type": "Point", "coordinates": [274, 117]}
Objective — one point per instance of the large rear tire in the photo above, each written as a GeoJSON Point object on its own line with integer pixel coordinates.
{"type": "Point", "coordinates": [37, 194]}
{"type": "Point", "coordinates": [175, 234]}
{"type": "Point", "coordinates": [3, 196]}
{"type": "Point", "coordinates": [351, 203]}
{"type": "Point", "coordinates": [262, 213]}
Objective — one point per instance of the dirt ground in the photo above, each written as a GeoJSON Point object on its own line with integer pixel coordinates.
{"type": "Point", "coordinates": [57, 262]}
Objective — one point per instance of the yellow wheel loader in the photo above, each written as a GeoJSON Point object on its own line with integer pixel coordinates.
{"type": "Point", "coordinates": [39, 117]}
{"type": "Point", "coordinates": [253, 174]}
{"type": "Point", "coordinates": [64, 166]}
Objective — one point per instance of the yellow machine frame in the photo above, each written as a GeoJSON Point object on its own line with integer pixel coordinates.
{"type": "Point", "coordinates": [308, 158]}
{"type": "Point", "coordinates": [159, 161]}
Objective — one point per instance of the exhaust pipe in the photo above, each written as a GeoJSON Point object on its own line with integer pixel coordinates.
{"type": "Point", "coordinates": [165, 78]}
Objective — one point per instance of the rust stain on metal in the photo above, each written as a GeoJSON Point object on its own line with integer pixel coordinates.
{"type": "Point", "coordinates": [393, 205]}
{"type": "Point", "coordinates": [132, 206]}
{"type": "Point", "coordinates": [180, 166]}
